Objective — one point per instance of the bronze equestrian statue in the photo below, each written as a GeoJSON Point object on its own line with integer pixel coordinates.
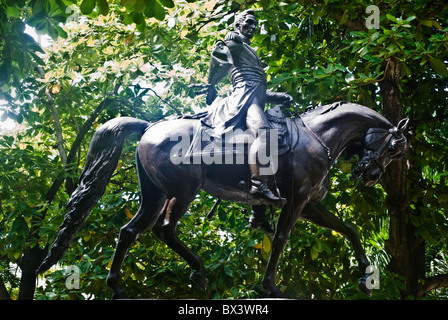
{"type": "Point", "coordinates": [169, 181]}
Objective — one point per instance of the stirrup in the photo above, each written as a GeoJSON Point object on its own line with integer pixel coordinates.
{"type": "Point", "coordinates": [262, 192]}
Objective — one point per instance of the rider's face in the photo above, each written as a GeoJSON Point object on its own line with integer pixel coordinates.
{"type": "Point", "coordinates": [248, 26]}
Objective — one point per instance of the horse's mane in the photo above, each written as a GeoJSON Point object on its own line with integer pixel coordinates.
{"type": "Point", "coordinates": [322, 109]}
{"type": "Point", "coordinates": [325, 110]}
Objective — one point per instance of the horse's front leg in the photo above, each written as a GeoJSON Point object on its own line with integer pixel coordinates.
{"type": "Point", "coordinates": [318, 214]}
{"type": "Point", "coordinates": [286, 221]}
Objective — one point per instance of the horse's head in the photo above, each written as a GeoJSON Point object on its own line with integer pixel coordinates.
{"type": "Point", "coordinates": [381, 146]}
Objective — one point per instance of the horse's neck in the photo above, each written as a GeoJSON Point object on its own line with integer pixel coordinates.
{"type": "Point", "coordinates": [344, 127]}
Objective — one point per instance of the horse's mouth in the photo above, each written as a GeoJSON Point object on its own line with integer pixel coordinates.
{"type": "Point", "coordinates": [368, 172]}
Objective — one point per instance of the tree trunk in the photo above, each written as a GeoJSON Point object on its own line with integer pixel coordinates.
{"type": "Point", "coordinates": [4, 295]}
{"type": "Point", "coordinates": [32, 258]}
{"type": "Point", "coordinates": [406, 249]}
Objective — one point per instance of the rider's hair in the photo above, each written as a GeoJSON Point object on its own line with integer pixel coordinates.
{"type": "Point", "coordinates": [241, 16]}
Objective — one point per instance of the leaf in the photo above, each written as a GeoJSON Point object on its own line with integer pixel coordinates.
{"type": "Point", "coordinates": [104, 7]}
{"type": "Point", "coordinates": [39, 6]}
{"type": "Point", "coordinates": [167, 3]}
{"type": "Point", "coordinates": [128, 213]}
{"type": "Point", "coordinates": [265, 4]}
{"type": "Point", "coordinates": [4, 74]}
{"type": "Point", "coordinates": [405, 69]}
{"type": "Point", "coordinates": [154, 9]}
{"type": "Point", "coordinates": [87, 6]}
{"type": "Point", "coordinates": [427, 23]}
{"type": "Point", "coordinates": [61, 32]}
{"type": "Point", "coordinates": [391, 18]}
{"type": "Point", "coordinates": [140, 6]}
{"type": "Point", "coordinates": [438, 66]}
{"type": "Point", "coordinates": [19, 226]}
{"type": "Point", "coordinates": [91, 41]}
{"type": "Point", "coordinates": [314, 254]}
{"type": "Point", "coordinates": [437, 25]}
{"type": "Point", "coordinates": [266, 244]}
{"type": "Point", "coordinates": [222, 215]}
{"type": "Point", "coordinates": [87, 236]}
{"type": "Point", "coordinates": [127, 3]}
{"type": "Point", "coordinates": [229, 271]}
{"type": "Point", "coordinates": [21, 206]}
{"type": "Point", "coordinates": [359, 34]}
{"type": "Point", "coordinates": [344, 18]}
{"type": "Point", "coordinates": [138, 18]}
{"type": "Point", "coordinates": [317, 246]}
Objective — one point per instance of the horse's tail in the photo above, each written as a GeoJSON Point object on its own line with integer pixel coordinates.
{"type": "Point", "coordinates": [102, 159]}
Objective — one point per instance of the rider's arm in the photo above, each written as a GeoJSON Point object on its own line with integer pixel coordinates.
{"type": "Point", "coordinates": [234, 41]}
{"type": "Point", "coordinates": [278, 98]}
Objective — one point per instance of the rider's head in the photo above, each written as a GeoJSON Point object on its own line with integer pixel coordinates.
{"type": "Point", "coordinates": [246, 23]}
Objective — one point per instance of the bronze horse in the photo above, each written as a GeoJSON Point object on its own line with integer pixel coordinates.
{"type": "Point", "coordinates": [318, 137]}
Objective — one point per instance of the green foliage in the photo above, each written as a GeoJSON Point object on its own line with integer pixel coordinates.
{"type": "Point", "coordinates": [137, 58]}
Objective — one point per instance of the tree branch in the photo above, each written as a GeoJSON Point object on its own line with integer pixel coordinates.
{"type": "Point", "coordinates": [432, 283]}
{"type": "Point", "coordinates": [432, 119]}
{"type": "Point", "coordinates": [178, 112]}
{"type": "Point", "coordinates": [57, 121]}
{"type": "Point", "coordinates": [77, 144]}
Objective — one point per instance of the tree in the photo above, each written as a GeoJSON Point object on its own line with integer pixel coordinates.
{"type": "Point", "coordinates": [137, 58]}
{"type": "Point", "coordinates": [407, 52]}
{"type": "Point", "coordinates": [73, 87]}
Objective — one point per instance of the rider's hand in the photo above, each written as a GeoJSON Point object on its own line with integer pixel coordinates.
{"type": "Point", "coordinates": [287, 100]}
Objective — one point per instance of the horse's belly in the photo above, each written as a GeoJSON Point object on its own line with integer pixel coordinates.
{"type": "Point", "coordinates": [227, 181]}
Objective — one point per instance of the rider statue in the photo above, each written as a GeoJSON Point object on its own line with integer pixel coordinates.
{"type": "Point", "coordinates": [244, 108]}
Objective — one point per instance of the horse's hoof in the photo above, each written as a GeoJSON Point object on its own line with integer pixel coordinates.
{"type": "Point", "coordinates": [199, 278]}
{"type": "Point", "coordinates": [119, 296]}
{"type": "Point", "coordinates": [276, 293]}
{"type": "Point", "coordinates": [362, 285]}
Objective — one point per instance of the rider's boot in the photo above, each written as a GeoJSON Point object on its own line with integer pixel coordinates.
{"type": "Point", "coordinates": [261, 191]}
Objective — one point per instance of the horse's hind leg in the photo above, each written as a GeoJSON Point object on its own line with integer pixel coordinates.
{"type": "Point", "coordinates": [150, 208]}
{"type": "Point", "coordinates": [165, 229]}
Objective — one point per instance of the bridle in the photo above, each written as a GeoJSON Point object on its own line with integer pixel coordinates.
{"type": "Point", "coordinates": [376, 154]}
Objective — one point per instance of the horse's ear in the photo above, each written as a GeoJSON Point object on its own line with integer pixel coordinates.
{"type": "Point", "coordinates": [402, 125]}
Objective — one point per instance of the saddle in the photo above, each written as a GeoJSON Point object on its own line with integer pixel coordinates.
{"type": "Point", "coordinates": [208, 147]}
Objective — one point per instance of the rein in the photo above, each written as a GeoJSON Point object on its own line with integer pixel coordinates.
{"type": "Point", "coordinates": [375, 155]}
{"type": "Point", "coordinates": [328, 151]}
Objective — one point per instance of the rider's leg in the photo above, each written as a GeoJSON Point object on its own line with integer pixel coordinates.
{"type": "Point", "coordinates": [261, 171]}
